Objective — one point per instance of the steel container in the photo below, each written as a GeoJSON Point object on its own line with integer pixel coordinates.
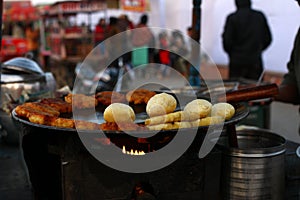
{"type": "Point", "coordinates": [21, 80]}
{"type": "Point", "coordinates": [254, 170]}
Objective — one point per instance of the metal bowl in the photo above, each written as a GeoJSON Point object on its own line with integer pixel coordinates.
{"type": "Point", "coordinates": [22, 80]}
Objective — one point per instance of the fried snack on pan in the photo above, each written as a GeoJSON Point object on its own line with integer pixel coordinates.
{"type": "Point", "coordinates": [24, 111]}
{"type": "Point", "coordinates": [35, 107]}
{"type": "Point", "coordinates": [40, 118]}
{"type": "Point", "coordinates": [109, 126]}
{"type": "Point", "coordinates": [86, 125]}
{"type": "Point", "coordinates": [119, 112]}
{"type": "Point", "coordinates": [130, 126]}
{"type": "Point", "coordinates": [108, 97]}
{"type": "Point", "coordinates": [175, 125]}
{"type": "Point", "coordinates": [207, 121]}
{"type": "Point", "coordinates": [187, 124]}
{"type": "Point", "coordinates": [59, 104]}
{"type": "Point", "coordinates": [162, 119]}
{"type": "Point", "coordinates": [51, 121]}
{"type": "Point", "coordinates": [124, 126]}
{"type": "Point", "coordinates": [161, 104]}
{"type": "Point", "coordinates": [139, 96]}
{"type": "Point", "coordinates": [182, 124]}
{"type": "Point", "coordinates": [224, 110]}
{"type": "Point", "coordinates": [159, 127]}
{"type": "Point", "coordinates": [81, 101]}
{"type": "Point", "coordinates": [62, 123]}
{"type": "Point", "coordinates": [197, 109]}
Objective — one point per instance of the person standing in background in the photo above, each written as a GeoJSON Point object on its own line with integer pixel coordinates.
{"type": "Point", "coordinates": [193, 72]}
{"type": "Point", "coordinates": [289, 92]}
{"type": "Point", "coordinates": [289, 89]}
{"type": "Point", "coordinates": [99, 33]}
{"type": "Point", "coordinates": [112, 30]}
{"type": "Point", "coordinates": [246, 35]}
{"type": "Point", "coordinates": [130, 23]}
{"type": "Point", "coordinates": [125, 24]}
{"type": "Point", "coordinates": [178, 49]}
{"type": "Point", "coordinates": [164, 55]}
{"type": "Point", "coordinates": [141, 38]}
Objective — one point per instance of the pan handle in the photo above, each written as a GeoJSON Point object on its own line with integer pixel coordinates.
{"type": "Point", "coordinates": [251, 93]}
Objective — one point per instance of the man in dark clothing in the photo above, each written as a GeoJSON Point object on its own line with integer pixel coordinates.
{"type": "Point", "coordinates": [246, 34]}
{"type": "Point", "coordinates": [289, 90]}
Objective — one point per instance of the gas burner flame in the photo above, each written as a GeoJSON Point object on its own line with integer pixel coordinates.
{"type": "Point", "coordinates": [133, 152]}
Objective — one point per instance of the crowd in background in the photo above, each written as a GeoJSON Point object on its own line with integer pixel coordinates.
{"type": "Point", "coordinates": [168, 48]}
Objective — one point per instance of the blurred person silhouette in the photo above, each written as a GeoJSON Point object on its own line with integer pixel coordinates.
{"type": "Point", "coordinates": [178, 49]}
{"type": "Point", "coordinates": [112, 28]}
{"type": "Point", "coordinates": [193, 73]}
{"type": "Point", "coordinates": [189, 32]}
{"type": "Point", "coordinates": [289, 89]}
{"type": "Point", "coordinates": [141, 38]}
{"type": "Point", "coordinates": [164, 55]}
{"type": "Point", "coordinates": [124, 24]}
{"type": "Point", "coordinates": [99, 32]}
{"type": "Point", "coordinates": [246, 35]}
{"type": "Point", "coordinates": [118, 46]}
{"type": "Point", "coordinates": [113, 46]}
{"type": "Point", "coordinates": [130, 23]}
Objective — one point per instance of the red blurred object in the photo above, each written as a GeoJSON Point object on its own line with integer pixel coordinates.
{"type": "Point", "coordinates": [19, 11]}
{"type": "Point", "coordinates": [13, 47]}
{"type": "Point", "coordinates": [74, 29]}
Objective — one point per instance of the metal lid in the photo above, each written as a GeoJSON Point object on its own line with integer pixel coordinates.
{"type": "Point", "coordinates": [21, 78]}
{"type": "Point", "coordinates": [21, 64]}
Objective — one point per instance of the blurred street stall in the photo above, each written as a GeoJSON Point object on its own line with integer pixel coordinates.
{"type": "Point", "coordinates": [64, 42]}
{"type": "Point", "coordinates": [16, 16]}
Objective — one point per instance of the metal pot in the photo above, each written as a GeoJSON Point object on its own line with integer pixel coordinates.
{"type": "Point", "coordinates": [22, 80]}
{"type": "Point", "coordinates": [254, 170]}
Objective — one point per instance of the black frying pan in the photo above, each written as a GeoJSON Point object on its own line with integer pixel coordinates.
{"type": "Point", "coordinates": [241, 112]}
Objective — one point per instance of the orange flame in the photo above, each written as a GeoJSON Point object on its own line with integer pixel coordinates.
{"type": "Point", "coordinates": [132, 152]}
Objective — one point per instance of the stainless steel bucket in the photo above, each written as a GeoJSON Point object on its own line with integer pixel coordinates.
{"type": "Point", "coordinates": [254, 170]}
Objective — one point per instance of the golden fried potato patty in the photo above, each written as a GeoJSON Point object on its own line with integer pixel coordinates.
{"type": "Point", "coordinates": [139, 96]}
{"type": "Point", "coordinates": [81, 101]}
{"type": "Point", "coordinates": [58, 104]}
{"type": "Point", "coordinates": [25, 109]}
